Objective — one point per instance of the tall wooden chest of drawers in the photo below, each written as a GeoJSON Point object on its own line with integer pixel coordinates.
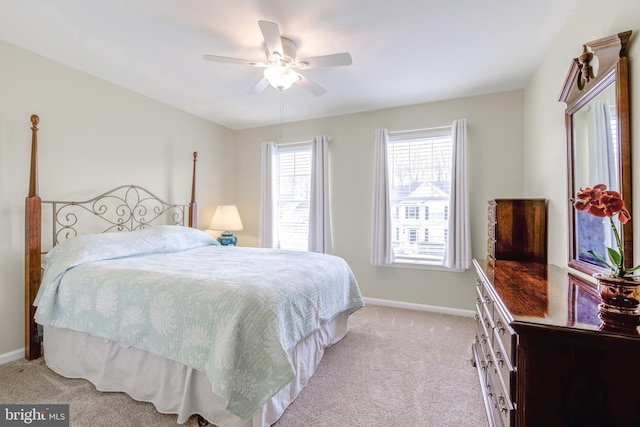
{"type": "Point", "coordinates": [517, 230]}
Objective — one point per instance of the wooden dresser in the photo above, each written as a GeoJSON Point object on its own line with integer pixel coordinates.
{"type": "Point", "coordinates": [542, 356]}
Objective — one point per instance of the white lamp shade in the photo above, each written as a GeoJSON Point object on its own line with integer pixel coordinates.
{"type": "Point", "coordinates": [226, 218]}
{"type": "Point", "coordinates": [280, 76]}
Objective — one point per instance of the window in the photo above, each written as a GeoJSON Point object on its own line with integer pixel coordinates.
{"type": "Point", "coordinates": [419, 166]}
{"type": "Point", "coordinates": [411, 212]}
{"type": "Point", "coordinates": [293, 196]}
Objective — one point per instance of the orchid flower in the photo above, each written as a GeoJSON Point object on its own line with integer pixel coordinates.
{"type": "Point", "coordinates": [603, 203]}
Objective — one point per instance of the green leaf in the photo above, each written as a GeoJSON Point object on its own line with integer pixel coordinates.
{"type": "Point", "coordinates": [602, 260]}
{"type": "Point", "coordinates": [615, 257]}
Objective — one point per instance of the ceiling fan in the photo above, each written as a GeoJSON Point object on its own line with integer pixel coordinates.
{"type": "Point", "coordinates": [282, 65]}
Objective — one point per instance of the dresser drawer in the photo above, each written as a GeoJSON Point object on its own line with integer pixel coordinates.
{"type": "Point", "coordinates": [502, 407]}
{"type": "Point", "coordinates": [486, 300]}
{"type": "Point", "coordinates": [491, 211]}
{"type": "Point", "coordinates": [487, 319]}
{"type": "Point", "coordinates": [505, 338]}
{"type": "Point", "coordinates": [486, 387]}
{"type": "Point", "coordinates": [491, 248]}
{"type": "Point", "coordinates": [482, 334]}
{"type": "Point", "coordinates": [491, 230]}
{"type": "Point", "coordinates": [505, 367]}
{"type": "Point", "coordinates": [480, 296]}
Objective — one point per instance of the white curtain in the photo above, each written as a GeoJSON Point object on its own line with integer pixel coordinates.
{"type": "Point", "coordinates": [268, 232]}
{"type": "Point", "coordinates": [458, 245]}
{"type": "Point", "coordinates": [381, 251]}
{"type": "Point", "coordinates": [602, 163]}
{"type": "Point", "coordinates": [319, 231]}
{"type": "Point", "coordinates": [602, 169]}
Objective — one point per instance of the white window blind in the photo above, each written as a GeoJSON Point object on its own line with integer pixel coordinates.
{"type": "Point", "coordinates": [294, 181]}
{"type": "Point", "coordinates": [420, 180]}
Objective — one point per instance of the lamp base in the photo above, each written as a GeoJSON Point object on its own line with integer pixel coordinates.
{"type": "Point", "coordinates": [227, 239]}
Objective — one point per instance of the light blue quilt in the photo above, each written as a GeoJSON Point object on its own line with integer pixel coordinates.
{"type": "Point", "coordinates": [233, 313]}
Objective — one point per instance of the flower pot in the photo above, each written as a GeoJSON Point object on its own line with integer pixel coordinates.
{"type": "Point", "coordinates": [620, 307]}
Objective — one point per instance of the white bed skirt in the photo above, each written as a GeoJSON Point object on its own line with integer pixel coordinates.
{"type": "Point", "coordinates": [172, 387]}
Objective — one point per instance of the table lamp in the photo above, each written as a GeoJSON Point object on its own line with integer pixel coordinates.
{"type": "Point", "coordinates": [226, 219]}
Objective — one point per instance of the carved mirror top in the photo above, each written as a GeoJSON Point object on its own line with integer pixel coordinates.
{"type": "Point", "coordinates": [597, 62]}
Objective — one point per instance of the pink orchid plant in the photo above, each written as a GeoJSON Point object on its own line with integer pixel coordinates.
{"type": "Point", "coordinates": [603, 203]}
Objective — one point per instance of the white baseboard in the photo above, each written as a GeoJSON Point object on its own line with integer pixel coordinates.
{"type": "Point", "coordinates": [420, 307]}
{"type": "Point", "coordinates": [11, 356]}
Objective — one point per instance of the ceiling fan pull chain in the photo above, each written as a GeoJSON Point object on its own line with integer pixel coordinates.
{"type": "Point", "coordinates": [281, 114]}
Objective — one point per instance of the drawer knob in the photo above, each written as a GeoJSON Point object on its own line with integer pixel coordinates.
{"type": "Point", "coordinates": [489, 360]}
{"type": "Point", "coordinates": [502, 403]}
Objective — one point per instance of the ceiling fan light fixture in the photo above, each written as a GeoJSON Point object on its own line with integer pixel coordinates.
{"type": "Point", "coordinates": [280, 76]}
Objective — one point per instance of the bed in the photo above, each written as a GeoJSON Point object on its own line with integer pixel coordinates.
{"type": "Point", "coordinates": [145, 303]}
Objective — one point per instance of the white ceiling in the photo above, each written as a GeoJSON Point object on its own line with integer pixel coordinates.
{"type": "Point", "coordinates": [404, 51]}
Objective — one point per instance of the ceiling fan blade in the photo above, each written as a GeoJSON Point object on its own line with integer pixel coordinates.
{"type": "Point", "coordinates": [337, 59]}
{"type": "Point", "coordinates": [228, 60]}
{"type": "Point", "coordinates": [259, 87]}
{"type": "Point", "coordinates": [311, 86]}
{"type": "Point", "coordinates": [271, 34]}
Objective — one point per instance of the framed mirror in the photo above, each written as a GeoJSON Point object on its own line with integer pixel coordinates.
{"type": "Point", "coordinates": [596, 92]}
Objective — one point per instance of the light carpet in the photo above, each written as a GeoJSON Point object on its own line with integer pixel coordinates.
{"type": "Point", "coordinates": [395, 367]}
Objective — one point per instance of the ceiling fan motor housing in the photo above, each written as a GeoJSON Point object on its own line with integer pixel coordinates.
{"type": "Point", "coordinates": [288, 50]}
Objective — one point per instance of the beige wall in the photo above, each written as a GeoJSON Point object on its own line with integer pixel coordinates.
{"type": "Point", "coordinates": [93, 137]}
{"type": "Point", "coordinates": [495, 170]}
{"type": "Point", "coordinates": [545, 168]}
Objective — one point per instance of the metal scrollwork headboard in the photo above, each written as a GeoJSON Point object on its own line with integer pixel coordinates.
{"type": "Point", "coordinates": [125, 208]}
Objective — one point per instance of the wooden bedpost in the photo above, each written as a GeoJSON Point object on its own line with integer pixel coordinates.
{"type": "Point", "coordinates": [33, 250]}
{"type": "Point", "coordinates": [193, 206]}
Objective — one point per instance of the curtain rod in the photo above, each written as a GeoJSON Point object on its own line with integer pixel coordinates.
{"type": "Point", "coordinates": [418, 130]}
{"type": "Point", "coordinates": [289, 144]}
{"type": "Point", "coordinates": [292, 144]}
